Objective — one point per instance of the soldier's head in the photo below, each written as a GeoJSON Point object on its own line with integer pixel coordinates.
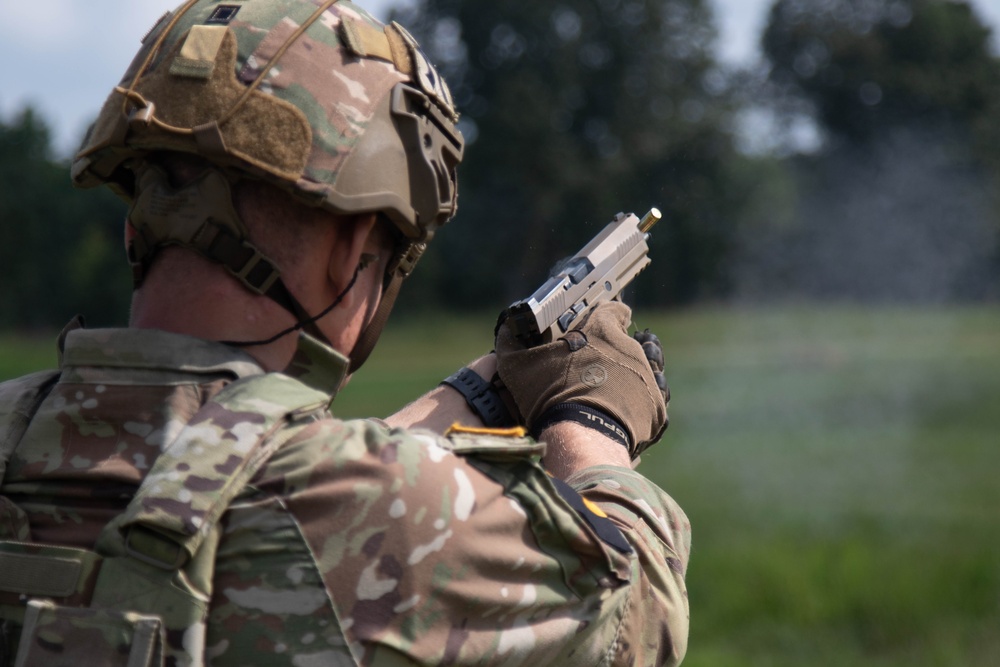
{"type": "Point", "coordinates": [228, 110]}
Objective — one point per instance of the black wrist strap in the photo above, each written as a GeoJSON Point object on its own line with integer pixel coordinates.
{"type": "Point", "coordinates": [584, 415]}
{"type": "Point", "coordinates": [482, 397]}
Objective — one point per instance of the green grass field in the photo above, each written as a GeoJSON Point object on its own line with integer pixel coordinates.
{"type": "Point", "coordinates": [839, 466]}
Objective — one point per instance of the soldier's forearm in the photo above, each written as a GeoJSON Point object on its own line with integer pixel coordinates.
{"type": "Point", "coordinates": [571, 447]}
{"type": "Point", "coordinates": [441, 407]}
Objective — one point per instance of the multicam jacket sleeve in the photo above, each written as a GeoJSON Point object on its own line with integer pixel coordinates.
{"type": "Point", "coordinates": [401, 546]}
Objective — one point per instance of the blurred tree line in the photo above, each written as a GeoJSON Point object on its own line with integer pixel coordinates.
{"type": "Point", "coordinates": [578, 109]}
{"type": "Point", "coordinates": [861, 160]}
{"type": "Point", "coordinates": [902, 202]}
{"type": "Point", "coordinates": [573, 112]}
{"type": "Point", "coordinates": [61, 250]}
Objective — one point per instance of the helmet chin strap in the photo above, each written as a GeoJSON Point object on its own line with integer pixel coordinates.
{"type": "Point", "coordinates": [305, 321]}
{"type": "Point", "coordinates": [400, 267]}
{"type": "Point", "coordinates": [372, 331]}
{"type": "Point", "coordinates": [366, 341]}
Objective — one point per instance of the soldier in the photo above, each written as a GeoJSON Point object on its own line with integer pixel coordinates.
{"type": "Point", "coordinates": [179, 493]}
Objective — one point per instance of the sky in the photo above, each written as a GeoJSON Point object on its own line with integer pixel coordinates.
{"type": "Point", "coordinates": [65, 60]}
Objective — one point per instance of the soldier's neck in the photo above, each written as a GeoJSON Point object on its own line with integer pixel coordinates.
{"type": "Point", "coordinates": [189, 295]}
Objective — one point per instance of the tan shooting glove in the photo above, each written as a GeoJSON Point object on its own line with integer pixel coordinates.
{"type": "Point", "coordinates": [596, 365]}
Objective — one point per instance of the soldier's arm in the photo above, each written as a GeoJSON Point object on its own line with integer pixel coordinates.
{"type": "Point", "coordinates": [652, 610]}
{"type": "Point", "coordinates": [570, 447]}
{"type": "Point", "coordinates": [462, 551]}
{"type": "Point", "coordinates": [440, 408]}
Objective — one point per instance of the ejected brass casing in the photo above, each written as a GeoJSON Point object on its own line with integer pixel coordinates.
{"type": "Point", "coordinates": [649, 220]}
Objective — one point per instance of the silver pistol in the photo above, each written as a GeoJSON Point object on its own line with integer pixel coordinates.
{"type": "Point", "coordinates": [598, 273]}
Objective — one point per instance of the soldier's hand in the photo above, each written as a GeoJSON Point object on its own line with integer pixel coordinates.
{"type": "Point", "coordinates": [597, 375]}
{"type": "Point", "coordinates": [653, 349]}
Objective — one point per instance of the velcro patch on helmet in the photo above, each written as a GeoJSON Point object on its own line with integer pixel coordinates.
{"type": "Point", "coordinates": [196, 59]}
{"type": "Point", "coordinates": [364, 41]}
{"type": "Point", "coordinates": [260, 129]}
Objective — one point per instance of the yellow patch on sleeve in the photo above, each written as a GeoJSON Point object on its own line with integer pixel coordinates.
{"type": "Point", "coordinates": [514, 432]}
{"type": "Point", "coordinates": [593, 507]}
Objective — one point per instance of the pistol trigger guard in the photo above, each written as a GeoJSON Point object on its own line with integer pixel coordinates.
{"type": "Point", "coordinates": [584, 317]}
{"type": "Point", "coordinates": [575, 340]}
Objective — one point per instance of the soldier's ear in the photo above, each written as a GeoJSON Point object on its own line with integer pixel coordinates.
{"type": "Point", "coordinates": [352, 245]}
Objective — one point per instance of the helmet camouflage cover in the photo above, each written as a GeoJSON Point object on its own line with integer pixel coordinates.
{"type": "Point", "coordinates": [313, 96]}
{"type": "Point", "coordinates": [318, 98]}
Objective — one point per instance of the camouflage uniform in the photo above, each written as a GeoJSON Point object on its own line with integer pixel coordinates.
{"type": "Point", "coordinates": [347, 542]}
{"type": "Point", "coordinates": [355, 543]}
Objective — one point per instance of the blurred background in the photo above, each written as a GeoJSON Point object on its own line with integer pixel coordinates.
{"type": "Point", "coordinates": [826, 278]}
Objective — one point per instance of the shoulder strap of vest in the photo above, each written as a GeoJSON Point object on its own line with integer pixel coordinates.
{"type": "Point", "coordinates": [19, 400]}
{"type": "Point", "coordinates": [152, 580]}
{"type": "Point", "coordinates": [208, 464]}
{"type": "Point", "coordinates": [159, 555]}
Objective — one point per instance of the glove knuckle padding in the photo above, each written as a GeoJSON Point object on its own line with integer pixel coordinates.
{"type": "Point", "coordinates": [609, 372]}
{"type": "Point", "coordinates": [654, 355]}
{"type": "Point", "coordinates": [653, 350]}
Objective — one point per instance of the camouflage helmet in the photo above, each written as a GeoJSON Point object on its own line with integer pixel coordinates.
{"type": "Point", "coordinates": [318, 98]}
{"type": "Point", "coordinates": [313, 96]}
